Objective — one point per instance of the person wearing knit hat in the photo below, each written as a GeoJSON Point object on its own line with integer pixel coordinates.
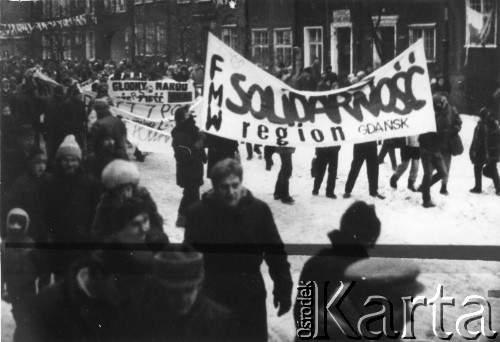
{"type": "Point", "coordinates": [348, 260]}
{"type": "Point", "coordinates": [176, 310]}
{"type": "Point", "coordinates": [120, 178]}
{"type": "Point", "coordinates": [19, 272]}
{"type": "Point", "coordinates": [69, 201]}
{"type": "Point", "coordinates": [69, 148]}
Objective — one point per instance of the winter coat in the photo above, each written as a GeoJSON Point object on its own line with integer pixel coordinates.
{"type": "Point", "coordinates": [26, 193]}
{"type": "Point", "coordinates": [219, 149]}
{"type": "Point", "coordinates": [248, 227]}
{"type": "Point", "coordinates": [63, 312]}
{"type": "Point", "coordinates": [107, 204]}
{"type": "Point", "coordinates": [189, 154]}
{"type": "Point", "coordinates": [493, 140]}
{"type": "Point", "coordinates": [76, 119]}
{"type": "Point", "coordinates": [452, 142]}
{"type": "Point", "coordinates": [347, 262]}
{"type": "Point", "coordinates": [55, 124]}
{"type": "Point", "coordinates": [69, 206]}
{"type": "Point", "coordinates": [153, 321]}
{"type": "Point", "coordinates": [97, 161]}
{"type": "Point", "coordinates": [14, 163]}
{"type": "Point", "coordinates": [8, 129]}
{"type": "Point", "coordinates": [434, 141]}
{"type": "Point", "coordinates": [106, 121]}
{"type": "Point", "coordinates": [19, 267]}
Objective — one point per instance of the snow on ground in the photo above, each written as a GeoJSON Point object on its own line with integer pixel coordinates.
{"type": "Point", "coordinates": [461, 218]}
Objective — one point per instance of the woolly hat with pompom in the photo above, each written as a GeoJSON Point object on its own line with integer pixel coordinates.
{"type": "Point", "coordinates": [69, 147]}
{"type": "Point", "coordinates": [119, 172]}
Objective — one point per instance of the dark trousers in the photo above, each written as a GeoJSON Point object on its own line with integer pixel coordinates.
{"type": "Point", "coordinates": [361, 152]}
{"type": "Point", "coordinates": [282, 184]}
{"type": "Point", "coordinates": [190, 196]}
{"type": "Point", "coordinates": [268, 155]}
{"type": "Point", "coordinates": [251, 148]}
{"type": "Point", "coordinates": [326, 157]}
{"type": "Point", "coordinates": [392, 154]}
{"type": "Point", "coordinates": [431, 160]}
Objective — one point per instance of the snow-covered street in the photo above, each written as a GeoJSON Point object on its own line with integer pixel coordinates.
{"type": "Point", "coordinates": [461, 218]}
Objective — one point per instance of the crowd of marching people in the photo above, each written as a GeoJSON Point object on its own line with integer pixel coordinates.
{"type": "Point", "coordinates": [85, 255]}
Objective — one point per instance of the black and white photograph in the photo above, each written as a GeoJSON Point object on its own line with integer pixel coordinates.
{"type": "Point", "coordinates": [249, 170]}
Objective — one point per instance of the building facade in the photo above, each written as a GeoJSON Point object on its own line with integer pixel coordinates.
{"type": "Point", "coordinates": [461, 37]}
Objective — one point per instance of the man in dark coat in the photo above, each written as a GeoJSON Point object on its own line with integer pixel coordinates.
{"type": "Point", "coordinates": [219, 149]}
{"type": "Point", "coordinates": [451, 144]}
{"type": "Point", "coordinates": [176, 310]}
{"type": "Point", "coordinates": [347, 260]}
{"type": "Point", "coordinates": [113, 125]}
{"type": "Point", "coordinates": [187, 142]}
{"type": "Point", "coordinates": [54, 123]}
{"type": "Point", "coordinates": [430, 153]}
{"type": "Point", "coordinates": [76, 116]}
{"type": "Point", "coordinates": [70, 201]}
{"type": "Point", "coordinates": [230, 217]}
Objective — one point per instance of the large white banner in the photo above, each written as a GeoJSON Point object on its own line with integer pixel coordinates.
{"type": "Point", "coordinates": [244, 103]}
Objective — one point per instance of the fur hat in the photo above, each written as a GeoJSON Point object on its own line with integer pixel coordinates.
{"type": "Point", "coordinates": [122, 214]}
{"type": "Point", "coordinates": [20, 216]}
{"type": "Point", "coordinates": [69, 147]}
{"type": "Point", "coordinates": [119, 172]}
{"type": "Point", "coordinates": [179, 267]}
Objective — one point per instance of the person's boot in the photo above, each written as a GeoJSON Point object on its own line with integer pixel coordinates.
{"type": "Point", "coordinates": [286, 198]}
{"type": "Point", "coordinates": [428, 204]}
{"type": "Point", "coordinates": [393, 182]}
{"type": "Point", "coordinates": [477, 189]}
{"type": "Point", "coordinates": [444, 190]}
{"type": "Point", "coordinates": [181, 221]}
{"type": "Point", "coordinates": [411, 186]}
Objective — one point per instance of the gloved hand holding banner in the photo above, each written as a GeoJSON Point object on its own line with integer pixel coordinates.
{"type": "Point", "coordinates": [244, 103]}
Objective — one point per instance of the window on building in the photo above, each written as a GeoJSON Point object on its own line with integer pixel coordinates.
{"type": "Point", "coordinates": [139, 39]}
{"type": "Point", "coordinates": [65, 7]}
{"type": "Point", "coordinates": [283, 47]}
{"type": "Point", "coordinates": [47, 46]}
{"type": "Point", "coordinates": [67, 46]}
{"type": "Point", "coordinates": [151, 38]}
{"type": "Point", "coordinates": [260, 47]}
{"type": "Point", "coordinates": [121, 5]}
{"type": "Point", "coordinates": [89, 6]}
{"type": "Point", "coordinates": [481, 28]}
{"type": "Point", "coordinates": [56, 9]}
{"type": "Point", "coordinates": [78, 39]}
{"type": "Point", "coordinates": [428, 33]}
{"type": "Point", "coordinates": [313, 45]}
{"type": "Point", "coordinates": [79, 4]}
{"type": "Point", "coordinates": [162, 38]}
{"type": "Point", "coordinates": [47, 9]}
{"type": "Point", "coordinates": [230, 36]}
{"type": "Point", "coordinates": [90, 45]}
{"type": "Point", "coordinates": [384, 48]}
{"type": "Point", "coordinates": [137, 2]}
